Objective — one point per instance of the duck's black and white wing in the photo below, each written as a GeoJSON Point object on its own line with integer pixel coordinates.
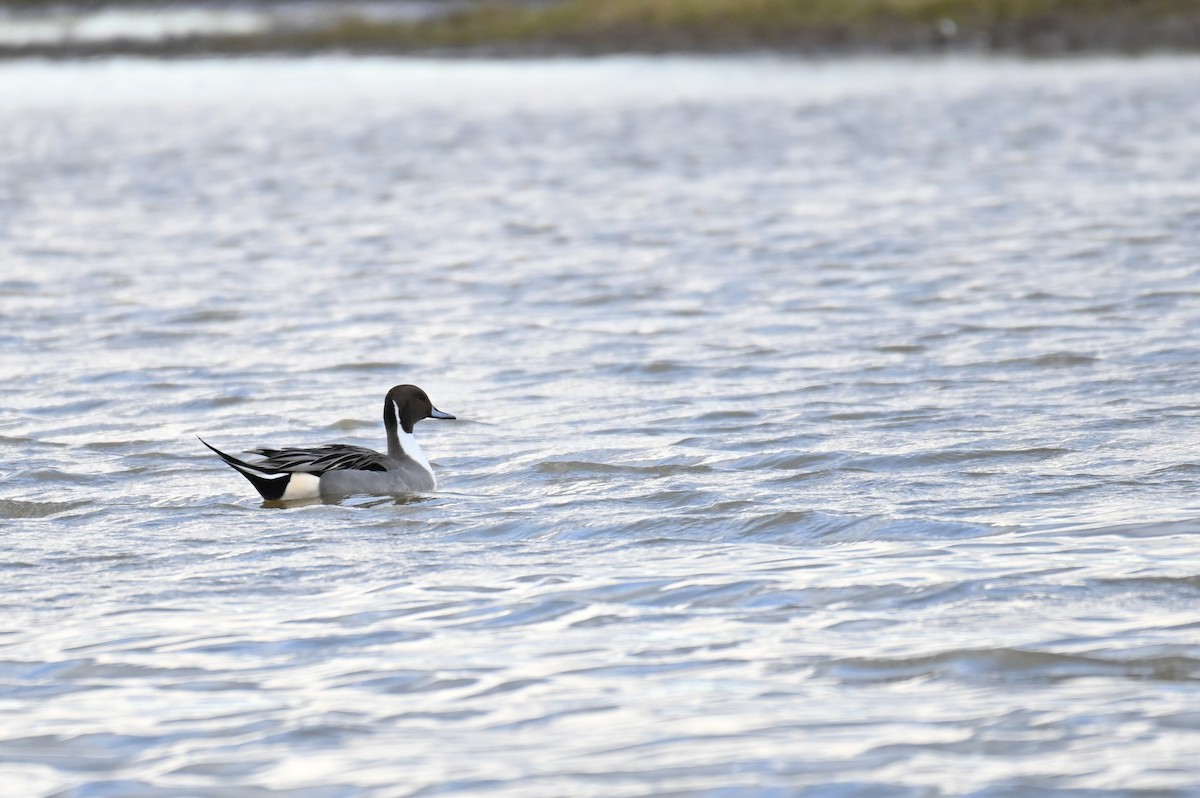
{"type": "Point", "coordinates": [319, 459]}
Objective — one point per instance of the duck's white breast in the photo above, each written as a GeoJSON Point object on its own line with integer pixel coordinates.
{"type": "Point", "coordinates": [413, 449]}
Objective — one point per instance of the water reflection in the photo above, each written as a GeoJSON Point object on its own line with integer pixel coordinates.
{"type": "Point", "coordinates": [65, 25]}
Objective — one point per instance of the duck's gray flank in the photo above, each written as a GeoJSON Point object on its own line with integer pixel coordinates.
{"type": "Point", "coordinates": [341, 470]}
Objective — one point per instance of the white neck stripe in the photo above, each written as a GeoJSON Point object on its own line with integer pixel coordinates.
{"type": "Point", "coordinates": [408, 442]}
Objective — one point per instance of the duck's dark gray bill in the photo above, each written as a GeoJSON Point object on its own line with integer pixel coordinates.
{"type": "Point", "coordinates": [435, 413]}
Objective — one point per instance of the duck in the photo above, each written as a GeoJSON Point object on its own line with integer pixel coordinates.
{"type": "Point", "coordinates": [340, 470]}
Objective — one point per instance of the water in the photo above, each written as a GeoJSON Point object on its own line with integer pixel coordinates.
{"type": "Point", "coordinates": [825, 429]}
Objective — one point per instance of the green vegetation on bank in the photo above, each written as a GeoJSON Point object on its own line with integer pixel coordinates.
{"type": "Point", "coordinates": [607, 25]}
{"type": "Point", "coordinates": [598, 26]}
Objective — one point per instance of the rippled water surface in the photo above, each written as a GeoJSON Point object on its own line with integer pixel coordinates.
{"type": "Point", "coordinates": [825, 429]}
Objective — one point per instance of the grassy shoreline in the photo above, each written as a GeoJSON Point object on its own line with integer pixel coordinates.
{"type": "Point", "coordinates": [708, 26]}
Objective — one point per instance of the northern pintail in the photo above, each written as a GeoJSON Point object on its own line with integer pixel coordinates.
{"type": "Point", "coordinates": [342, 470]}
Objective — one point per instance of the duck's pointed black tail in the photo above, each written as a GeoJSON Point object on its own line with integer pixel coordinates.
{"type": "Point", "coordinates": [270, 484]}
